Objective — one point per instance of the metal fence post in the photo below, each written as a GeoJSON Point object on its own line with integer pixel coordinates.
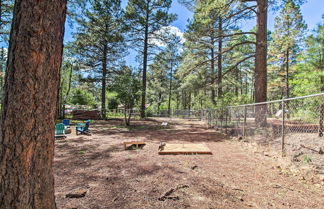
{"type": "Point", "coordinates": [321, 126]}
{"type": "Point", "coordinates": [283, 128]}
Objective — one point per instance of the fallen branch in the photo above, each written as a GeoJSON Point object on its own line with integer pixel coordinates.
{"type": "Point", "coordinates": [78, 194]}
{"type": "Point", "coordinates": [169, 192]}
{"type": "Point", "coordinates": [314, 150]}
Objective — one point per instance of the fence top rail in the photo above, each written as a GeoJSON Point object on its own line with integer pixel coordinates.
{"type": "Point", "coordinates": [279, 100]}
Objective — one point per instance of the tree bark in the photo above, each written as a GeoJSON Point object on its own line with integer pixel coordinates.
{"type": "Point", "coordinates": [103, 81]}
{"type": "Point", "coordinates": [219, 59]}
{"type": "Point", "coordinates": [30, 105]}
{"type": "Point", "coordinates": [261, 63]}
{"type": "Point", "coordinates": [212, 65]}
{"type": "Point", "coordinates": [287, 74]}
{"type": "Point", "coordinates": [145, 64]}
{"type": "Point", "coordinates": [159, 102]}
{"type": "Point", "coordinates": [237, 77]}
{"type": "Point", "coordinates": [170, 89]}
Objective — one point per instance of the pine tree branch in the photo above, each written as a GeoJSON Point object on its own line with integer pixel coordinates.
{"type": "Point", "coordinates": [237, 64]}
{"type": "Point", "coordinates": [251, 8]}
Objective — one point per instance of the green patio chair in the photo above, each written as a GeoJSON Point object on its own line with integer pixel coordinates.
{"type": "Point", "coordinates": [60, 131]}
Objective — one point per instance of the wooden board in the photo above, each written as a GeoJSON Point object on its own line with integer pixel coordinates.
{"type": "Point", "coordinates": [134, 143]}
{"type": "Point", "coordinates": [185, 149]}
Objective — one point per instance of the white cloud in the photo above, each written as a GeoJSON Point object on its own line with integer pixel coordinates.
{"type": "Point", "coordinates": [164, 32]}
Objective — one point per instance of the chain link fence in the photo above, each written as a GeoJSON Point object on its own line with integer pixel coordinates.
{"type": "Point", "coordinates": [292, 126]}
{"type": "Point", "coordinates": [289, 125]}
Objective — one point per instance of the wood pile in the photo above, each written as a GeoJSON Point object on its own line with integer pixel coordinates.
{"type": "Point", "coordinates": [86, 115]}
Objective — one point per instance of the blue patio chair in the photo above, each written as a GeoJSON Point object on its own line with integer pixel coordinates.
{"type": "Point", "coordinates": [66, 123]}
{"type": "Point", "coordinates": [83, 128]}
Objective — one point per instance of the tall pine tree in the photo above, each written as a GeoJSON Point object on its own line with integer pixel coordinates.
{"type": "Point", "coordinates": [99, 41]}
{"type": "Point", "coordinates": [288, 33]}
{"type": "Point", "coordinates": [144, 18]}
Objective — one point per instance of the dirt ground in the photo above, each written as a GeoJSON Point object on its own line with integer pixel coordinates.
{"type": "Point", "coordinates": [233, 177]}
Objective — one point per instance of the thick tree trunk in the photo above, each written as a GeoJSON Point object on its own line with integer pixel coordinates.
{"type": "Point", "coordinates": [103, 82]}
{"type": "Point", "coordinates": [30, 104]}
{"type": "Point", "coordinates": [261, 62]}
{"type": "Point", "coordinates": [220, 59]}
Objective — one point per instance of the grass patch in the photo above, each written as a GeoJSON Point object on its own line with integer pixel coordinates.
{"type": "Point", "coordinates": [307, 159]}
{"type": "Point", "coordinates": [82, 152]}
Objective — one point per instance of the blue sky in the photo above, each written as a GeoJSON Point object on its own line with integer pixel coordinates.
{"type": "Point", "coordinates": [312, 12]}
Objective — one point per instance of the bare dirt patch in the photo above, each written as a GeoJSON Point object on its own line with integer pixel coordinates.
{"type": "Point", "coordinates": [116, 178]}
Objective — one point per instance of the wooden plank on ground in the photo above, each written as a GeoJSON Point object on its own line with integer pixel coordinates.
{"type": "Point", "coordinates": [185, 149]}
{"type": "Point", "coordinates": [133, 143]}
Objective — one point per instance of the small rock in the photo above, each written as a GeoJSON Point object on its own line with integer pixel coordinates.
{"type": "Point", "coordinates": [321, 150]}
{"type": "Point", "coordinates": [194, 167]}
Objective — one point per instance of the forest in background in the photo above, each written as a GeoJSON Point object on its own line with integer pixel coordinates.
{"type": "Point", "coordinates": [215, 64]}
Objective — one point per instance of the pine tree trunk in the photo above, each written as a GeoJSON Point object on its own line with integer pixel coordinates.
{"type": "Point", "coordinates": [170, 89]}
{"type": "Point", "coordinates": [322, 79]}
{"type": "Point", "coordinates": [212, 65]}
{"type": "Point", "coordinates": [287, 74]}
{"type": "Point", "coordinates": [189, 100]}
{"type": "Point", "coordinates": [237, 77]}
{"type": "Point", "coordinates": [219, 59]}
{"type": "Point", "coordinates": [261, 63]}
{"type": "Point", "coordinates": [30, 104]}
{"type": "Point", "coordinates": [68, 90]}
{"type": "Point", "coordinates": [159, 103]}
{"type": "Point", "coordinates": [184, 93]}
{"type": "Point", "coordinates": [103, 82]}
{"type": "Point", "coordinates": [144, 66]}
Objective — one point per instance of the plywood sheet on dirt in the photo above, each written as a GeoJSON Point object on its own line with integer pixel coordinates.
{"type": "Point", "coordinates": [185, 149]}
